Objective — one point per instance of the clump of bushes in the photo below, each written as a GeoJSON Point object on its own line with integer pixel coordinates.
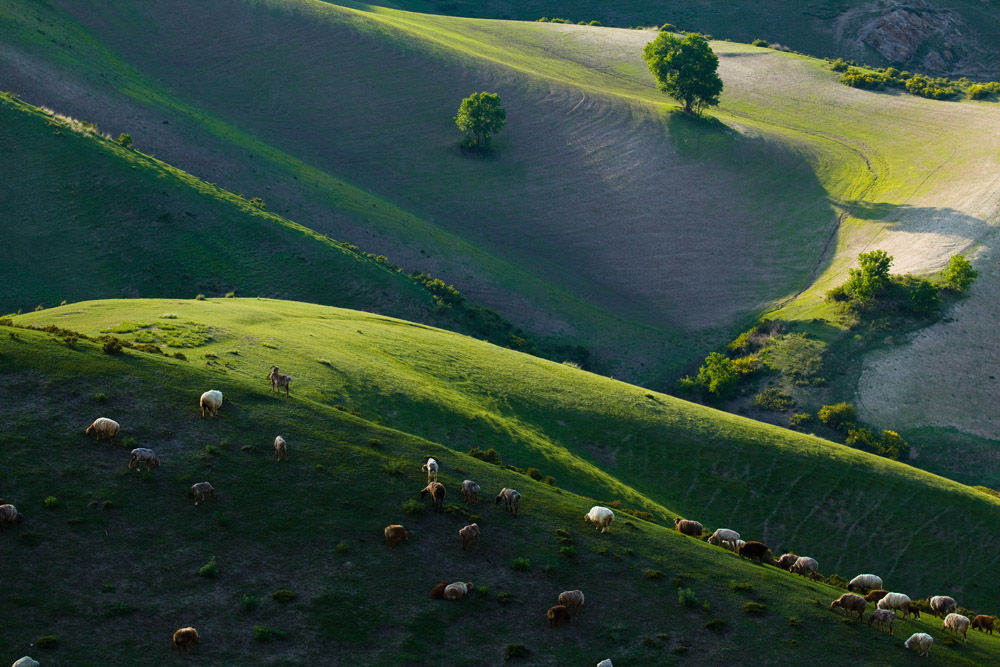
{"type": "Point", "coordinates": [283, 595]}
{"type": "Point", "coordinates": [800, 419]}
{"type": "Point", "coordinates": [838, 416]}
{"type": "Point", "coordinates": [262, 633]}
{"type": "Point", "coordinates": [249, 602]}
{"type": "Point", "coordinates": [520, 564]}
{"type": "Point", "coordinates": [774, 399]}
{"type": "Point", "coordinates": [759, 42]}
{"type": "Point", "coordinates": [490, 455]}
{"type": "Point", "coordinates": [754, 608]}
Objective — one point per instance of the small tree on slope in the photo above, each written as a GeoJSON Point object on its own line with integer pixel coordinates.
{"type": "Point", "coordinates": [685, 69]}
{"type": "Point", "coordinates": [481, 115]}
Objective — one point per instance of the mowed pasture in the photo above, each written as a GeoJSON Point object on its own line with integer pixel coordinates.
{"type": "Point", "coordinates": [598, 437]}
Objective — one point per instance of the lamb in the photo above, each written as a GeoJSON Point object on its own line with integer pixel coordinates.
{"type": "Point", "coordinates": [601, 516]}
{"type": "Point", "coordinates": [882, 616]}
{"type": "Point", "coordinates": [900, 601]}
{"type": "Point", "coordinates": [921, 641]}
{"type": "Point", "coordinates": [437, 593]}
{"type": "Point", "coordinates": [511, 500]}
{"type": "Point", "coordinates": [394, 534]}
{"type": "Point", "coordinates": [942, 605]}
{"type": "Point", "coordinates": [469, 535]}
{"type": "Point", "coordinates": [457, 590]}
{"type": "Point", "coordinates": [755, 550]}
{"type": "Point", "coordinates": [725, 536]}
{"type": "Point", "coordinates": [201, 491]}
{"type": "Point", "coordinates": [804, 564]}
{"type": "Point", "coordinates": [787, 560]}
{"type": "Point", "coordinates": [850, 602]}
{"type": "Point", "coordinates": [688, 526]}
{"type": "Point", "coordinates": [210, 402]}
{"type": "Point", "coordinates": [280, 448]}
{"type": "Point", "coordinates": [470, 492]}
{"type": "Point", "coordinates": [104, 428]}
{"type": "Point", "coordinates": [9, 515]}
{"type": "Point", "coordinates": [956, 623]}
{"type": "Point", "coordinates": [983, 623]}
{"type": "Point", "coordinates": [278, 380]}
{"type": "Point", "coordinates": [876, 595]}
{"type": "Point", "coordinates": [436, 489]}
{"type": "Point", "coordinates": [26, 662]}
{"type": "Point", "coordinates": [142, 455]}
{"type": "Point", "coordinates": [557, 615]}
{"type": "Point", "coordinates": [185, 638]}
{"type": "Point", "coordinates": [865, 582]}
{"type": "Point", "coordinates": [431, 468]}
{"type": "Point", "coordinates": [572, 600]}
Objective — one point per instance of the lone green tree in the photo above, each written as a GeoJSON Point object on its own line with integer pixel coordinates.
{"type": "Point", "coordinates": [959, 275]}
{"type": "Point", "coordinates": [866, 281]}
{"type": "Point", "coordinates": [685, 69]}
{"type": "Point", "coordinates": [481, 115]}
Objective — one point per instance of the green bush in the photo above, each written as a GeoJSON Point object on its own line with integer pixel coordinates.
{"type": "Point", "coordinates": [515, 651]}
{"type": "Point", "coordinates": [794, 621]}
{"type": "Point", "coordinates": [687, 598]}
{"type": "Point", "coordinates": [717, 376]}
{"type": "Point", "coordinates": [125, 140]}
{"type": "Point", "coordinates": [51, 502]}
{"type": "Point", "coordinates": [959, 274]}
{"type": "Point", "coordinates": [923, 294]}
{"type": "Point", "coordinates": [668, 27]}
{"type": "Point", "coordinates": [112, 345]}
{"type": "Point", "coordinates": [754, 608]}
{"type": "Point", "coordinates": [283, 595]}
{"type": "Point", "coordinates": [759, 42]}
{"type": "Point", "coordinates": [871, 276]}
{"type": "Point", "coordinates": [535, 474]}
{"type": "Point", "coordinates": [249, 602]}
{"type": "Point", "coordinates": [262, 633]}
{"type": "Point", "coordinates": [839, 65]}
{"type": "Point", "coordinates": [505, 598]}
{"type": "Point", "coordinates": [800, 419]}
{"type": "Point", "coordinates": [716, 625]}
{"type": "Point", "coordinates": [412, 506]}
{"type": "Point", "coordinates": [838, 415]}
{"type": "Point", "coordinates": [47, 642]}
{"type": "Point", "coordinates": [653, 574]}
{"type": "Point", "coordinates": [490, 455]}
{"type": "Point", "coordinates": [209, 569]}
{"type": "Point", "coordinates": [342, 548]}
{"type": "Point", "coordinates": [597, 24]}
{"type": "Point", "coordinates": [520, 564]}
{"type": "Point", "coordinates": [774, 399]}
{"type": "Point", "coordinates": [567, 551]}
{"type": "Point", "coordinates": [258, 202]}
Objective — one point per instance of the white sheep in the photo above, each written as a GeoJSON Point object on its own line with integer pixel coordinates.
{"type": "Point", "coordinates": [457, 590]}
{"type": "Point", "coordinates": [956, 623]}
{"type": "Point", "coordinates": [921, 641]}
{"type": "Point", "coordinates": [470, 492]}
{"type": "Point", "coordinates": [104, 428]}
{"type": "Point", "coordinates": [210, 402]}
{"type": "Point", "coordinates": [431, 468]}
{"type": "Point", "coordinates": [605, 663]}
{"type": "Point", "coordinates": [900, 601]}
{"type": "Point", "coordinates": [9, 515]}
{"type": "Point", "coordinates": [280, 448]}
{"type": "Point", "coordinates": [511, 499]}
{"type": "Point", "coordinates": [725, 536]}
{"type": "Point", "coordinates": [738, 545]}
{"type": "Point", "coordinates": [804, 565]}
{"type": "Point", "coordinates": [882, 617]}
{"type": "Point", "coordinates": [26, 662]}
{"type": "Point", "coordinates": [201, 491]}
{"type": "Point", "coordinates": [142, 455]}
{"type": "Point", "coordinates": [943, 605]}
{"type": "Point", "coordinates": [601, 516]}
{"type": "Point", "coordinates": [865, 582]}
{"type": "Point", "coordinates": [572, 600]}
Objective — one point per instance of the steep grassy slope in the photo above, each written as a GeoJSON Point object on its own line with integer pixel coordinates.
{"type": "Point", "coordinates": [602, 438]}
{"type": "Point", "coordinates": [110, 568]}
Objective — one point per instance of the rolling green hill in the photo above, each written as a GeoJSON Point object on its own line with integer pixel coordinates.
{"type": "Point", "coordinates": [314, 525]}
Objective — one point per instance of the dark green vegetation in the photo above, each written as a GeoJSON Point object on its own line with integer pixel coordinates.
{"type": "Point", "coordinates": [686, 69]}
{"type": "Point", "coordinates": [481, 115]}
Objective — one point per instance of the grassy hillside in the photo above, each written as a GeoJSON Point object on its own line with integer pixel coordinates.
{"type": "Point", "coordinates": [314, 525]}
{"type": "Point", "coordinates": [596, 436]}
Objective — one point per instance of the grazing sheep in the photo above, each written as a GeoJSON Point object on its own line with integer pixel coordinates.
{"type": "Point", "coordinates": [876, 595]}
{"type": "Point", "coordinates": [431, 468]}
{"type": "Point", "coordinates": [26, 662]}
{"type": "Point", "coordinates": [725, 536]}
{"type": "Point", "coordinates": [394, 534]}
{"type": "Point", "coordinates": [470, 492]}
{"type": "Point", "coordinates": [786, 560]}
{"type": "Point", "coordinates": [457, 590]}
{"type": "Point", "coordinates": [511, 499]}
{"type": "Point", "coordinates": [436, 489]}
{"type": "Point", "coordinates": [605, 663]}
{"type": "Point", "coordinates": [921, 641]}
{"type": "Point", "coordinates": [572, 600]}
{"type": "Point", "coordinates": [956, 623]}
{"type": "Point", "coordinates": [142, 455]}
{"type": "Point", "coordinates": [942, 605]}
{"type": "Point", "coordinates": [185, 638]}
{"type": "Point", "coordinates": [900, 601]}
{"type": "Point", "coordinates": [601, 516]}
{"type": "Point", "coordinates": [865, 582]}
{"type": "Point", "coordinates": [9, 515]}
{"type": "Point", "coordinates": [755, 550]}
{"type": "Point", "coordinates": [278, 380]}
{"type": "Point", "coordinates": [739, 545]}
{"type": "Point", "coordinates": [557, 615]}
{"type": "Point", "coordinates": [210, 402]}
{"type": "Point", "coordinates": [803, 565]}
{"type": "Point", "coordinates": [983, 623]}
{"type": "Point", "coordinates": [850, 603]}
{"type": "Point", "coordinates": [469, 535]}
{"type": "Point", "coordinates": [201, 491]}
{"type": "Point", "coordinates": [437, 593]}
{"type": "Point", "coordinates": [688, 526]}
{"type": "Point", "coordinates": [280, 448]}
{"type": "Point", "coordinates": [882, 616]}
{"type": "Point", "coordinates": [104, 428]}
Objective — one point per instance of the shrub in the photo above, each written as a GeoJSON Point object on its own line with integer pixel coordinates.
{"type": "Point", "coordinates": [836, 580]}
{"type": "Point", "coordinates": [535, 474]}
{"type": "Point", "coordinates": [717, 376]}
{"type": "Point", "coordinates": [283, 595]}
{"type": "Point", "coordinates": [483, 591]}
{"type": "Point", "coordinates": [860, 438]}
{"type": "Point", "coordinates": [47, 642]}
{"type": "Point", "coordinates": [839, 65]}
{"type": "Point", "coordinates": [800, 419]}
{"type": "Point", "coordinates": [550, 480]}
{"type": "Point", "coordinates": [743, 586]}
{"type": "Point", "coordinates": [687, 598]}
{"type": "Point", "coordinates": [923, 294]}
{"type": "Point", "coordinates": [119, 609]}
{"type": "Point", "coordinates": [262, 633]}
{"type": "Point", "coordinates": [653, 574]}
{"type": "Point", "coordinates": [249, 602]}
{"type": "Point", "coordinates": [891, 445]}
{"type": "Point", "coordinates": [668, 27]}
{"type": "Point", "coordinates": [716, 625]}
{"type": "Point", "coordinates": [520, 564]}
{"type": "Point", "coordinates": [774, 399]}
{"type": "Point", "coordinates": [567, 551]}
{"type": "Point", "coordinates": [649, 642]}
{"type": "Point", "coordinates": [872, 274]}
{"type": "Point", "coordinates": [180, 355]}
{"type": "Point", "coordinates": [596, 24]}
{"type": "Point", "coordinates": [754, 608]}
{"type": "Point", "coordinates": [100, 397]}
{"type": "Point", "coordinates": [490, 455]}
{"type": "Point", "coordinates": [394, 468]}
{"type": "Point", "coordinates": [515, 651]}
{"type": "Point", "coordinates": [211, 449]}
{"type": "Point", "coordinates": [794, 621]}
{"type": "Point", "coordinates": [838, 415]}
{"type": "Point", "coordinates": [258, 202]}
{"type": "Point", "coordinates": [112, 345]}
{"type": "Point", "coordinates": [342, 548]}
{"type": "Point", "coordinates": [51, 502]}
{"type": "Point", "coordinates": [412, 506]}
{"type": "Point", "coordinates": [759, 42]}
{"type": "Point", "coordinates": [959, 274]}
{"type": "Point", "coordinates": [747, 365]}
{"type": "Point", "coordinates": [125, 140]}
{"type": "Point", "coordinates": [209, 569]}
{"type": "Point", "coordinates": [505, 598]}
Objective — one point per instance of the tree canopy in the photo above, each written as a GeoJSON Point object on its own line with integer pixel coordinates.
{"type": "Point", "coordinates": [872, 275]}
{"type": "Point", "coordinates": [481, 115]}
{"type": "Point", "coordinates": [685, 69]}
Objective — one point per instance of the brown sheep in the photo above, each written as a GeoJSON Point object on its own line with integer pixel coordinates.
{"type": "Point", "coordinates": [557, 615]}
{"type": "Point", "coordinates": [436, 489]}
{"type": "Point", "coordinates": [280, 448]}
{"type": "Point", "coordinates": [688, 527]}
{"type": "Point", "coordinates": [185, 639]}
{"type": "Point", "coordinates": [786, 561]}
{"type": "Point", "coordinates": [394, 534]}
{"type": "Point", "coordinates": [983, 623]}
{"type": "Point", "coordinates": [437, 593]}
{"type": "Point", "coordinates": [9, 515]}
{"type": "Point", "coordinates": [876, 595]}
{"type": "Point", "coordinates": [850, 603]}
{"type": "Point", "coordinates": [201, 491]}
{"type": "Point", "coordinates": [278, 380]}
{"type": "Point", "coordinates": [756, 550]}
{"type": "Point", "coordinates": [470, 536]}
{"type": "Point", "coordinates": [572, 600]}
